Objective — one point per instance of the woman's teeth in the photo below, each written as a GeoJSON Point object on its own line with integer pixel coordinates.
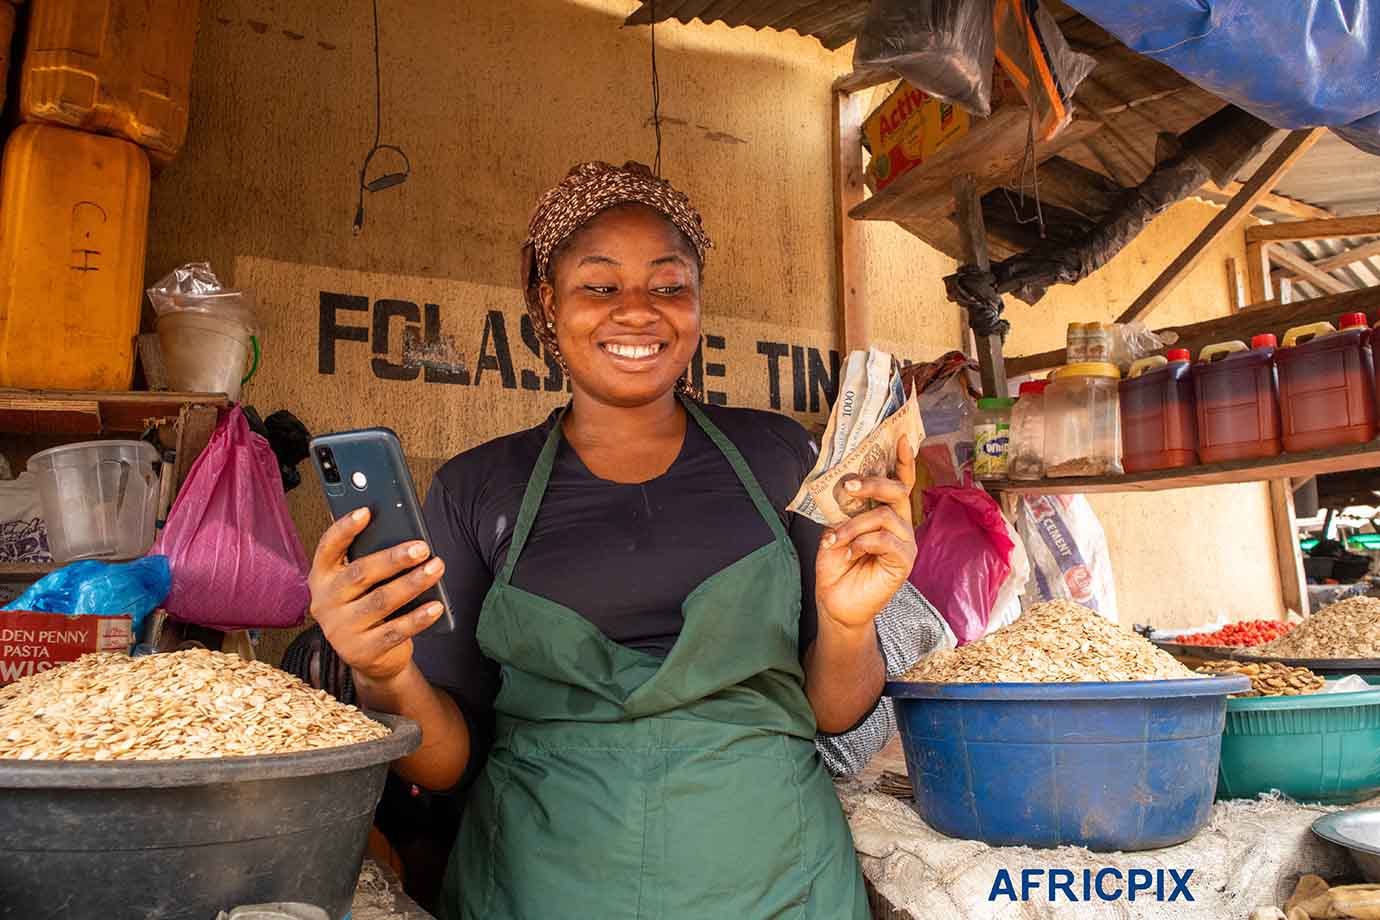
{"type": "Point", "coordinates": [632, 351]}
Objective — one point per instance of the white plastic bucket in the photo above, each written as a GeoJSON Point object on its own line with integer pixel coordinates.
{"type": "Point", "coordinates": [205, 353]}
{"type": "Point", "coordinates": [99, 499]}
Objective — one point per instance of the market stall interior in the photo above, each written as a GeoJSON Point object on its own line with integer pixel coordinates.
{"type": "Point", "coordinates": [1114, 275]}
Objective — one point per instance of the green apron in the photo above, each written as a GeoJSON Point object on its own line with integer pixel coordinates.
{"type": "Point", "coordinates": [622, 786]}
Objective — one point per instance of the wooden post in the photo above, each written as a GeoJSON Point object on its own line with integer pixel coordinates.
{"type": "Point", "coordinates": [848, 249]}
{"type": "Point", "coordinates": [1295, 145]}
{"type": "Point", "coordinates": [1235, 295]}
{"type": "Point", "coordinates": [973, 238]}
{"type": "Point", "coordinates": [1258, 283]}
{"type": "Point", "coordinates": [1293, 583]}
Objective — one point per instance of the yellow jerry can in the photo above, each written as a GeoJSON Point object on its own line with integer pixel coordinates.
{"type": "Point", "coordinates": [121, 67]}
{"type": "Point", "coordinates": [74, 211]}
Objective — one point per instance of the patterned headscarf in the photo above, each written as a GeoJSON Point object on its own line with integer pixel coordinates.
{"type": "Point", "coordinates": [587, 190]}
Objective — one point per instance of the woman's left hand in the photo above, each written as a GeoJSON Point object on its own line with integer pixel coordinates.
{"type": "Point", "coordinates": [862, 563]}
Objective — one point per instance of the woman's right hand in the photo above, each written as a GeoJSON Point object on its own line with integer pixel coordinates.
{"type": "Point", "coordinates": [353, 612]}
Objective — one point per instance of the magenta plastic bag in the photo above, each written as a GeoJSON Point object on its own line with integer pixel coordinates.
{"type": "Point", "coordinates": [236, 560]}
{"type": "Point", "coordinates": [963, 556]}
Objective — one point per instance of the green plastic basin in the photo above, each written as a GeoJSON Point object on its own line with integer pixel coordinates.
{"type": "Point", "coordinates": [1322, 747]}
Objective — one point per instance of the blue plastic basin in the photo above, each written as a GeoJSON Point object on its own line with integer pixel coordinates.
{"type": "Point", "coordinates": [1107, 766]}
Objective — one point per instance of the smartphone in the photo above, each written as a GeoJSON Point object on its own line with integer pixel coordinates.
{"type": "Point", "coordinates": [366, 469]}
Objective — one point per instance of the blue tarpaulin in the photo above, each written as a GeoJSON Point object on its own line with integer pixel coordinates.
{"type": "Point", "coordinates": [1291, 63]}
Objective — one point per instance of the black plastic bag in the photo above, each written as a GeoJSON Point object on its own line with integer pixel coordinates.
{"type": "Point", "coordinates": [943, 47]}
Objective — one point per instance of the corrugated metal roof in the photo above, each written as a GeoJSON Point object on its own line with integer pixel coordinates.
{"type": "Point", "coordinates": [834, 22]}
{"type": "Point", "coordinates": [1336, 176]}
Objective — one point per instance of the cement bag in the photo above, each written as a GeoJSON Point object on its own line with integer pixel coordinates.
{"type": "Point", "coordinates": [943, 47]}
{"type": "Point", "coordinates": [236, 560]}
{"type": "Point", "coordinates": [1068, 552]}
{"type": "Point", "coordinates": [23, 535]}
{"type": "Point", "coordinates": [963, 557]}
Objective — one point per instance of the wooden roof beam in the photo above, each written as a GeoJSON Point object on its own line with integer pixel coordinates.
{"type": "Point", "coordinates": [1334, 228]}
{"type": "Point", "coordinates": [1294, 146]}
{"type": "Point", "coordinates": [1302, 268]}
{"type": "Point", "coordinates": [1279, 204]}
{"type": "Point", "coordinates": [1349, 257]}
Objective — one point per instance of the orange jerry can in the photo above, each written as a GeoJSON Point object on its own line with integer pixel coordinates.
{"type": "Point", "coordinates": [74, 211]}
{"type": "Point", "coordinates": [121, 67]}
{"type": "Point", "coordinates": [7, 15]}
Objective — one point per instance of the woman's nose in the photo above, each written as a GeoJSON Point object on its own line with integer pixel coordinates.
{"type": "Point", "coordinates": [635, 306]}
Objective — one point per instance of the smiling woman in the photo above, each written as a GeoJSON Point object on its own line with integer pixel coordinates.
{"type": "Point", "coordinates": [647, 643]}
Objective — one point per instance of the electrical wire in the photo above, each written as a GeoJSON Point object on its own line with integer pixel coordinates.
{"type": "Point", "coordinates": [387, 180]}
{"type": "Point", "coordinates": [656, 94]}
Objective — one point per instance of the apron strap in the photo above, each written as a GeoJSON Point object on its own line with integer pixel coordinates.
{"type": "Point", "coordinates": [531, 498]}
{"type": "Point", "coordinates": [740, 466]}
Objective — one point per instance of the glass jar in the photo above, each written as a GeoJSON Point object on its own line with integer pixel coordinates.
{"type": "Point", "coordinates": [1083, 421]}
{"type": "Point", "coordinates": [992, 436]}
{"type": "Point", "coordinates": [1026, 455]}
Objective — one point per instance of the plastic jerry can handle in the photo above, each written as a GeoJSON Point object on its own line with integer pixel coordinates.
{"type": "Point", "coordinates": [1211, 352]}
{"type": "Point", "coordinates": [1312, 330]}
{"type": "Point", "coordinates": [1145, 364]}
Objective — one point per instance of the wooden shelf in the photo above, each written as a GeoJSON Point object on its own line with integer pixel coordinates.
{"type": "Point", "coordinates": [1285, 466]}
{"type": "Point", "coordinates": [53, 412]}
{"type": "Point", "coordinates": [991, 152]}
{"type": "Point", "coordinates": [12, 572]}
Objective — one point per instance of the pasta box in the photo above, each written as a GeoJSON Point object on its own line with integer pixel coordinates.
{"type": "Point", "coordinates": [907, 129]}
{"type": "Point", "coordinates": [34, 642]}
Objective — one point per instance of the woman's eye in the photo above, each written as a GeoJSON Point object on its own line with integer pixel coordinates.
{"type": "Point", "coordinates": [669, 290]}
{"type": "Point", "coordinates": [601, 289]}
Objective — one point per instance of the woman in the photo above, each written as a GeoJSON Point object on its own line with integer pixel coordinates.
{"type": "Point", "coordinates": [647, 643]}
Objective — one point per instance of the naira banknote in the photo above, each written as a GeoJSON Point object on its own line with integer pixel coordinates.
{"type": "Point", "coordinates": [825, 497]}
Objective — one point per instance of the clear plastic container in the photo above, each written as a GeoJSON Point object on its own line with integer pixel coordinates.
{"type": "Point", "coordinates": [1326, 385]}
{"type": "Point", "coordinates": [205, 353]}
{"type": "Point", "coordinates": [1158, 420]}
{"type": "Point", "coordinates": [1083, 421]}
{"type": "Point", "coordinates": [992, 434]}
{"type": "Point", "coordinates": [99, 499]}
{"type": "Point", "coordinates": [1026, 455]}
{"type": "Point", "coordinates": [1236, 395]}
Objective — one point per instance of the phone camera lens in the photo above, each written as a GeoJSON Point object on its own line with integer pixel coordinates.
{"type": "Point", "coordinates": [328, 467]}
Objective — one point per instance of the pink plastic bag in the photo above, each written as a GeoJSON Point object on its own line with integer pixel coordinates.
{"type": "Point", "coordinates": [236, 560]}
{"type": "Point", "coordinates": [964, 555]}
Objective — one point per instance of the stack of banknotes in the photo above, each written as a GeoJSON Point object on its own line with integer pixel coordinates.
{"type": "Point", "coordinates": [869, 417]}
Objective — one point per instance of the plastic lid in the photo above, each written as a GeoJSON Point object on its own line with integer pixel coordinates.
{"type": "Point", "coordinates": [1088, 369]}
{"type": "Point", "coordinates": [1033, 387]}
{"type": "Point", "coordinates": [996, 402]}
{"type": "Point", "coordinates": [1352, 320]}
{"type": "Point", "coordinates": [1178, 354]}
{"type": "Point", "coordinates": [1264, 340]}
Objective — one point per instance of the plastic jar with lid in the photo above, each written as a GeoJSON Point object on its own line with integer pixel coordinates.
{"type": "Point", "coordinates": [1083, 421]}
{"type": "Point", "coordinates": [1326, 385]}
{"type": "Point", "coordinates": [992, 437]}
{"type": "Point", "coordinates": [1236, 395]}
{"type": "Point", "coordinates": [1158, 420]}
{"type": "Point", "coordinates": [1026, 455]}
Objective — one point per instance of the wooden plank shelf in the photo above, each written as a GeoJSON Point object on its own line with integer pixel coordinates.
{"type": "Point", "coordinates": [14, 572]}
{"type": "Point", "coordinates": [52, 412]}
{"type": "Point", "coordinates": [1285, 466]}
{"type": "Point", "coordinates": [991, 152]}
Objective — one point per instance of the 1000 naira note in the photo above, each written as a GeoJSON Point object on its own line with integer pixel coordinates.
{"type": "Point", "coordinates": [824, 499]}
